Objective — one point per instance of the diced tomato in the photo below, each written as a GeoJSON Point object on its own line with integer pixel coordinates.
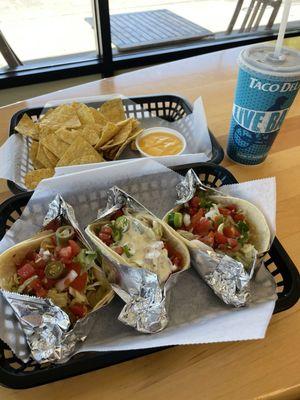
{"type": "Point", "coordinates": [224, 211]}
{"type": "Point", "coordinates": [195, 202]}
{"type": "Point", "coordinates": [223, 247]}
{"type": "Point", "coordinates": [31, 256]}
{"type": "Point", "coordinates": [41, 292]}
{"type": "Point", "coordinates": [200, 213]}
{"type": "Point", "coordinates": [80, 282]}
{"type": "Point", "coordinates": [119, 250]}
{"type": "Point", "coordinates": [220, 238]}
{"type": "Point", "coordinates": [116, 214]}
{"type": "Point", "coordinates": [177, 261]}
{"type": "Point", "coordinates": [231, 232]}
{"type": "Point", "coordinates": [39, 263]}
{"type": "Point", "coordinates": [192, 211]}
{"type": "Point", "coordinates": [66, 253]}
{"type": "Point", "coordinates": [209, 239]}
{"type": "Point", "coordinates": [217, 221]}
{"type": "Point", "coordinates": [232, 207]}
{"type": "Point", "coordinates": [238, 217]}
{"type": "Point", "coordinates": [40, 273]}
{"type": "Point", "coordinates": [107, 239]}
{"type": "Point", "coordinates": [79, 310]}
{"type": "Point", "coordinates": [201, 227]}
{"type": "Point", "coordinates": [233, 243]}
{"type": "Point", "coordinates": [75, 266]}
{"type": "Point", "coordinates": [26, 271]}
{"type": "Point", "coordinates": [53, 225]}
{"type": "Point", "coordinates": [48, 283]}
{"type": "Point", "coordinates": [75, 247]}
{"type": "Point", "coordinates": [107, 229]}
{"type": "Point", "coordinates": [34, 286]}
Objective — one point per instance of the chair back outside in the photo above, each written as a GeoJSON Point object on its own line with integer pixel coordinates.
{"type": "Point", "coordinates": [254, 14]}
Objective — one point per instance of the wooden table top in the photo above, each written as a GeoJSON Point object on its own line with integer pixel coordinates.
{"type": "Point", "coordinates": [262, 369]}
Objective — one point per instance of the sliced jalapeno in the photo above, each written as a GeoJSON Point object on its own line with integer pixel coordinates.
{"type": "Point", "coordinates": [54, 269]}
{"type": "Point", "coordinates": [175, 219]}
{"type": "Point", "coordinates": [64, 234]}
{"type": "Point", "coordinates": [117, 235]}
{"type": "Point", "coordinates": [122, 223]}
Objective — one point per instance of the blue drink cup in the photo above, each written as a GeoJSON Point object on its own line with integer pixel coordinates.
{"type": "Point", "coordinates": [266, 88]}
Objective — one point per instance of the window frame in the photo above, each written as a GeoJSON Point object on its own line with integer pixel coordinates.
{"type": "Point", "coordinates": [106, 63]}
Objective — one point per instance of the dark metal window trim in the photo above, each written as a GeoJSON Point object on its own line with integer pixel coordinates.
{"type": "Point", "coordinates": [107, 62]}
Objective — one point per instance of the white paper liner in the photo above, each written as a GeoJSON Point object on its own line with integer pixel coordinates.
{"type": "Point", "coordinates": [196, 314]}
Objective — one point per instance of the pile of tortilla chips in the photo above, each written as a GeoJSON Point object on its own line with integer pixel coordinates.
{"type": "Point", "coordinates": [73, 134]}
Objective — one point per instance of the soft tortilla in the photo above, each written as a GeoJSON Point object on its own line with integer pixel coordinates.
{"type": "Point", "coordinates": [259, 228]}
{"type": "Point", "coordinates": [110, 254]}
{"type": "Point", "coordinates": [16, 254]}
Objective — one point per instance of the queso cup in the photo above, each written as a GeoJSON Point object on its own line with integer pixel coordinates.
{"type": "Point", "coordinates": [160, 129]}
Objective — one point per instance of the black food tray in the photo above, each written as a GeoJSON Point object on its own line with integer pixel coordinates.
{"type": "Point", "coordinates": [166, 106]}
{"type": "Point", "coordinates": [16, 374]}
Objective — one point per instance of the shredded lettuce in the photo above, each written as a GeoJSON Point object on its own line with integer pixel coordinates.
{"type": "Point", "coordinates": [60, 299]}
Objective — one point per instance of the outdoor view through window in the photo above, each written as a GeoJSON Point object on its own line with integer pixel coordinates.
{"type": "Point", "coordinates": [39, 32]}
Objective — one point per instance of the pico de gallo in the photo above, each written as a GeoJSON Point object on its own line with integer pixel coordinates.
{"type": "Point", "coordinates": [222, 227]}
{"type": "Point", "coordinates": [62, 270]}
{"type": "Point", "coordinates": [140, 241]}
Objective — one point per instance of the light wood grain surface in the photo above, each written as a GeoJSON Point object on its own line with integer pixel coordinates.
{"type": "Point", "coordinates": [266, 369]}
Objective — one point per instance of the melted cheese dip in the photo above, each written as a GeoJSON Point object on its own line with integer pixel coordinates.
{"type": "Point", "coordinates": [160, 144]}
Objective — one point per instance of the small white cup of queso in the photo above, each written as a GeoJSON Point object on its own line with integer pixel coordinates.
{"type": "Point", "coordinates": [160, 142]}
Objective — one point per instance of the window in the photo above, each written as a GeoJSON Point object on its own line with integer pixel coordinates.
{"type": "Point", "coordinates": [44, 40]}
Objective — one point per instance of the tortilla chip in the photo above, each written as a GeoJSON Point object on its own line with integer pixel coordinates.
{"type": "Point", "coordinates": [135, 124]}
{"type": "Point", "coordinates": [66, 135]}
{"type": "Point", "coordinates": [55, 144]}
{"type": "Point", "coordinates": [121, 136]}
{"type": "Point", "coordinates": [76, 150]}
{"type": "Point", "coordinates": [89, 159]}
{"type": "Point", "coordinates": [51, 157]}
{"type": "Point", "coordinates": [133, 145]}
{"type": "Point", "coordinates": [133, 135]}
{"type": "Point", "coordinates": [45, 130]}
{"type": "Point", "coordinates": [41, 158]}
{"type": "Point", "coordinates": [33, 178]}
{"type": "Point", "coordinates": [64, 116]}
{"type": "Point", "coordinates": [109, 131]}
{"type": "Point", "coordinates": [110, 154]}
{"type": "Point", "coordinates": [90, 134]}
{"type": "Point", "coordinates": [113, 110]}
{"type": "Point", "coordinates": [27, 127]}
{"type": "Point", "coordinates": [98, 117]}
{"type": "Point", "coordinates": [47, 113]}
{"type": "Point", "coordinates": [84, 113]}
{"type": "Point", "coordinates": [33, 150]}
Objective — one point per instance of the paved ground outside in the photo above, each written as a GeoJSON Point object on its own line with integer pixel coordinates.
{"type": "Point", "coordinates": [38, 29]}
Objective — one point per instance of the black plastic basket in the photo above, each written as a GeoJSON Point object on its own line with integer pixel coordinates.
{"type": "Point", "coordinates": [165, 106]}
{"type": "Point", "coordinates": [16, 374]}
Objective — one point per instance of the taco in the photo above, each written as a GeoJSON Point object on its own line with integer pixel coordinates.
{"type": "Point", "coordinates": [56, 265]}
{"type": "Point", "coordinates": [229, 225]}
{"type": "Point", "coordinates": [140, 240]}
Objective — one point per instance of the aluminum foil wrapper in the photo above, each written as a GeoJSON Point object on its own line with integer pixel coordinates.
{"type": "Point", "coordinates": [227, 277]}
{"type": "Point", "coordinates": [146, 300]}
{"type": "Point", "coordinates": [45, 325]}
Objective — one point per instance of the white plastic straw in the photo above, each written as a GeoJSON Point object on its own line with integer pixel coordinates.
{"type": "Point", "coordinates": [282, 28]}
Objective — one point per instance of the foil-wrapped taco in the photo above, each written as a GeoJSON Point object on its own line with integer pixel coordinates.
{"type": "Point", "coordinates": [56, 264]}
{"type": "Point", "coordinates": [143, 253]}
{"type": "Point", "coordinates": [225, 235]}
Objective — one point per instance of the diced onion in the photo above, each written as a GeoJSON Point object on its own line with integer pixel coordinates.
{"type": "Point", "coordinates": [186, 219]}
{"type": "Point", "coordinates": [65, 282]}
